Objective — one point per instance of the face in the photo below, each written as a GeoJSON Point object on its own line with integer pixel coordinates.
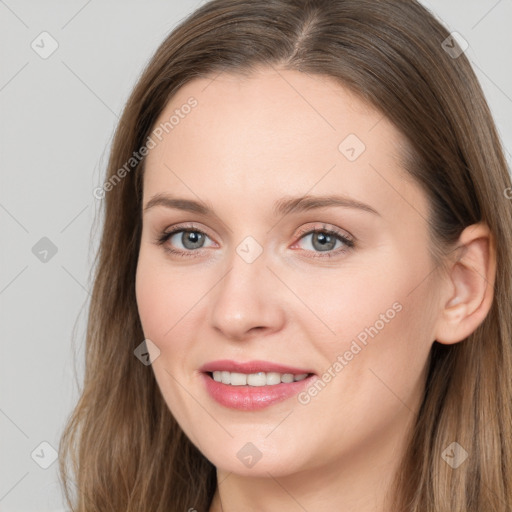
{"type": "Point", "coordinates": [238, 276]}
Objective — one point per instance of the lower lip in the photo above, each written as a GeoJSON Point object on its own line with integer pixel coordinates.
{"type": "Point", "coordinates": [252, 398]}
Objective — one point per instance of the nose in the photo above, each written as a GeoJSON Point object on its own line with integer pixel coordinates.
{"type": "Point", "coordinates": [246, 301]}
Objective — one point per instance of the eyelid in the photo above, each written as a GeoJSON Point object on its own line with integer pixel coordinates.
{"type": "Point", "coordinates": [302, 231]}
{"type": "Point", "coordinates": [325, 228]}
{"type": "Point", "coordinates": [347, 240]}
{"type": "Point", "coordinates": [164, 236]}
{"type": "Point", "coordinates": [187, 226]}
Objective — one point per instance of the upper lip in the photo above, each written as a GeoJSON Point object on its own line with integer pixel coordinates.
{"type": "Point", "coordinates": [251, 367]}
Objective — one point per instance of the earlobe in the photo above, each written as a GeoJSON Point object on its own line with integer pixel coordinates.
{"type": "Point", "coordinates": [471, 288]}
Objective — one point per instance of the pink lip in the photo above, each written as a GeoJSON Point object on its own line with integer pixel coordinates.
{"type": "Point", "coordinates": [251, 398]}
{"type": "Point", "coordinates": [251, 367]}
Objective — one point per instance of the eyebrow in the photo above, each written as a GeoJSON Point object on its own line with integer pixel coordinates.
{"type": "Point", "coordinates": [283, 206]}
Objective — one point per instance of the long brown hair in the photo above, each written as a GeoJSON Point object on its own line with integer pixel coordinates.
{"type": "Point", "coordinates": [126, 451]}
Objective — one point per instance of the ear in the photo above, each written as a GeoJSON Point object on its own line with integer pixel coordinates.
{"type": "Point", "coordinates": [470, 287]}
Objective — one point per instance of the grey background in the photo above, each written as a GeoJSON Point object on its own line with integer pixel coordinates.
{"type": "Point", "coordinates": [56, 124]}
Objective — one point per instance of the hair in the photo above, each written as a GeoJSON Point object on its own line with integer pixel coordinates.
{"type": "Point", "coordinates": [125, 449]}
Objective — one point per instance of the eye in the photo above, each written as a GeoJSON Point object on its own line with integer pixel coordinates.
{"type": "Point", "coordinates": [189, 240]}
{"type": "Point", "coordinates": [183, 240]}
{"type": "Point", "coordinates": [331, 242]}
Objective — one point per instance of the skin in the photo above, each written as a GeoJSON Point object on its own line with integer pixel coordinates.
{"type": "Point", "coordinates": [250, 142]}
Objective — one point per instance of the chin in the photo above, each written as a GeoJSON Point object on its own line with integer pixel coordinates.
{"type": "Point", "coordinates": [251, 459]}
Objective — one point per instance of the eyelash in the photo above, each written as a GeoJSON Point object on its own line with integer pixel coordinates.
{"type": "Point", "coordinates": [349, 243]}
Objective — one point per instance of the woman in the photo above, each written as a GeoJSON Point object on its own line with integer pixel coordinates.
{"type": "Point", "coordinates": [302, 297]}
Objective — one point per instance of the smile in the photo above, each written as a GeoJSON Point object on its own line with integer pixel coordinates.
{"type": "Point", "coordinates": [258, 379]}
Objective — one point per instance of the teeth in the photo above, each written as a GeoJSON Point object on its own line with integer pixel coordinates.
{"type": "Point", "coordinates": [272, 378]}
{"type": "Point", "coordinates": [256, 379]}
{"type": "Point", "coordinates": [238, 379]}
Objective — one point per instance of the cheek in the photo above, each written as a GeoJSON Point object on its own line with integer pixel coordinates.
{"type": "Point", "coordinates": [165, 296]}
{"type": "Point", "coordinates": [152, 300]}
{"type": "Point", "coordinates": [382, 327]}
{"type": "Point", "coordinates": [374, 374]}
{"type": "Point", "coordinates": [350, 301]}
{"type": "Point", "coordinates": [164, 304]}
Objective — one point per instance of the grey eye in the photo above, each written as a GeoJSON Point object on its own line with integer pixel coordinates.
{"type": "Point", "coordinates": [189, 239]}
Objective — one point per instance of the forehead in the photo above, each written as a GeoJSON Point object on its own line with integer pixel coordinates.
{"type": "Point", "coordinates": [275, 131]}
{"type": "Point", "coordinates": [317, 108]}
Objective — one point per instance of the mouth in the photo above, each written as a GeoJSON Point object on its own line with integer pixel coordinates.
{"type": "Point", "coordinates": [258, 379]}
{"type": "Point", "coordinates": [253, 385]}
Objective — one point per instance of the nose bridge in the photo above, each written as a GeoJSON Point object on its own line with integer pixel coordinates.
{"type": "Point", "coordinates": [245, 298]}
